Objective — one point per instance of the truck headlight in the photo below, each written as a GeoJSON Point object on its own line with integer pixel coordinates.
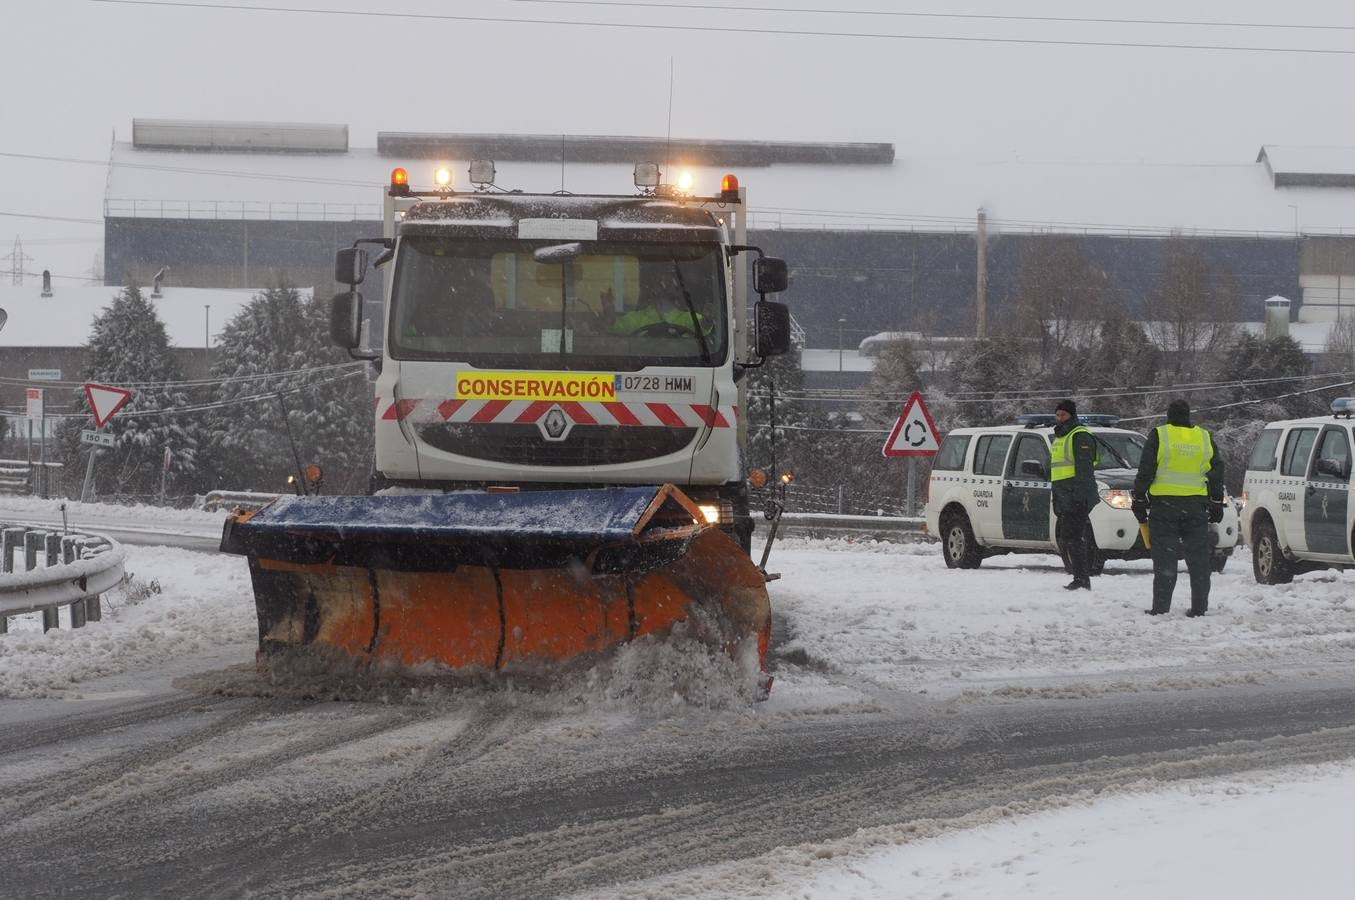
{"type": "Point", "coordinates": [1117, 498]}
{"type": "Point", "coordinates": [721, 513]}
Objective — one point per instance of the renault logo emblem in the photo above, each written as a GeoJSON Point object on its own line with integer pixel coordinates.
{"type": "Point", "coordinates": [555, 425]}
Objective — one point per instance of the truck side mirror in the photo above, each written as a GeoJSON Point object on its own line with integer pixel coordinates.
{"type": "Point", "coordinates": [345, 319]}
{"type": "Point", "coordinates": [1034, 468]}
{"type": "Point", "coordinates": [350, 265]}
{"type": "Point", "coordinates": [769, 275]}
{"type": "Point", "coordinates": [771, 326]}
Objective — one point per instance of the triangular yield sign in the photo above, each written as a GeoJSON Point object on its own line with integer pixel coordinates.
{"type": "Point", "coordinates": [105, 401]}
{"type": "Point", "coordinates": [914, 433]}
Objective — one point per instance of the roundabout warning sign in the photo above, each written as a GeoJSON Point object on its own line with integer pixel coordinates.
{"type": "Point", "coordinates": [914, 433]}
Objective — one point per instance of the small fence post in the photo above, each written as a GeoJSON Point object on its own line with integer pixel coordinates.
{"type": "Point", "coordinates": [68, 549]}
{"type": "Point", "coordinates": [10, 539]}
{"type": "Point", "coordinates": [53, 549]}
{"type": "Point", "coordinates": [32, 541]}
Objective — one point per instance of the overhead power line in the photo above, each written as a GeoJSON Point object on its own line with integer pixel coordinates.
{"type": "Point", "coordinates": [1081, 20]}
{"type": "Point", "coordinates": [1201, 409]}
{"type": "Point", "coordinates": [18, 215]}
{"type": "Point", "coordinates": [186, 170]}
{"type": "Point", "coordinates": [198, 382]}
{"type": "Point", "coordinates": [201, 407]}
{"type": "Point", "coordinates": [725, 29]}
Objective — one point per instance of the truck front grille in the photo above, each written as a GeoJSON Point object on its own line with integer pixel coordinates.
{"type": "Point", "coordinates": [585, 445]}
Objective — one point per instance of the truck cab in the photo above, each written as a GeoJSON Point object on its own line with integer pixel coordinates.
{"type": "Point", "coordinates": [537, 341]}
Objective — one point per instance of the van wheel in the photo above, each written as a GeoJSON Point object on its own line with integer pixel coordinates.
{"type": "Point", "coordinates": [957, 543]}
{"type": "Point", "coordinates": [1267, 559]}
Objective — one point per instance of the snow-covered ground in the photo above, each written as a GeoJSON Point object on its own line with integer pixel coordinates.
{"type": "Point", "coordinates": [869, 623]}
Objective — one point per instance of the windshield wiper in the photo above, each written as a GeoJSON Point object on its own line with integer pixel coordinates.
{"type": "Point", "coordinates": [691, 310]}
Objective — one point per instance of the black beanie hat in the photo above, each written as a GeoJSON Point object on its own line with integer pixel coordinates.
{"type": "Point", "coordinates": [1067, 406]}
{"type": "Point", "coordinates": [1178, 412]}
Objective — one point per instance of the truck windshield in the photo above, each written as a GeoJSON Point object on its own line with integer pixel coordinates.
{"type": "Point", "coordinates": [601, 304]}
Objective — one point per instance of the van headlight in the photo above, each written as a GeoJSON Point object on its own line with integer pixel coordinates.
{"type": "Point", "coordinates": [1117, 498]}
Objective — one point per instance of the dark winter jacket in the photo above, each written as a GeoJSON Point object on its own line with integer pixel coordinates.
{"type": "Point", "coordinates": [1148, 464]}
{"type": "Point", "coordinates": [1081, 488]}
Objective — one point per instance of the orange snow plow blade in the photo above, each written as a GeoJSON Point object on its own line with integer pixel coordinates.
{"type": "Point", "coordinates": [488, 580]}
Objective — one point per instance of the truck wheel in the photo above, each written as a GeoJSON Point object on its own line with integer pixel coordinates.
{"type": "Point", "coordinates": [1267, 559]}
{"type": "Point", "coordinates": [957, 543]}
{"type": "Point", "coordinates": [1218, 561]}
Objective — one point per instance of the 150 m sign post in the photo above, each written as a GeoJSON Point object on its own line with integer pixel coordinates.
{"type": "Point", "coordinates": [913, 435]}
{"type": "Point", "coordinates": [104, 401]}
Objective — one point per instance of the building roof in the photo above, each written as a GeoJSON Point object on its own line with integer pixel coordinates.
{"type": "Point", "coordinates": [1309, 166]}
{"type": "Point", "coordinates": [65, 318]}
{"type": "Point", "coordinates": [910, 193]}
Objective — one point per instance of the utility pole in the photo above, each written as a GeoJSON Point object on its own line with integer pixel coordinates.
{"type": "Point", "coordinates": [207, 335]}
{"type": "Point", "coordinates": [981, 312]}
{"type": "Point", "coordinates": [840, 323]}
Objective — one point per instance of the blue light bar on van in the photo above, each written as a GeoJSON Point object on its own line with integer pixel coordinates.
{"type": "Point", "coordinates": [1044, 420]}
{"type": "Point", "coordinates": [1343, 406]}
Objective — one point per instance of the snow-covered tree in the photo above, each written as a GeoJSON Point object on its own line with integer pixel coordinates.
{"type": "Point", "coordinates": [279, 345]}
{"type": "Point", "coordinates": [1059, 298]}
{"type": "Point", "coordinates": [1193, 311]}
{"type": "Point", "coordinates": [128, 346]}
{"type": "Point", "coordinates": [985, 379]}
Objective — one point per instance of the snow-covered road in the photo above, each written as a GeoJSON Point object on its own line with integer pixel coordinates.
{"type": "Point", "coordinates": [910, 701]}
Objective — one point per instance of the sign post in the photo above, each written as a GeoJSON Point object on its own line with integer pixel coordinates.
{"type": "Point", "coordinates": [914, 435]}
{"type": "Point", "coordinates": [104, 401]}
{"type": "Point", "coordinates": [36, 401]}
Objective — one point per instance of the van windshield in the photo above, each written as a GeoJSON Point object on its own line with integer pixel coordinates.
{"type": "Point", "coordinates": [592, 305]}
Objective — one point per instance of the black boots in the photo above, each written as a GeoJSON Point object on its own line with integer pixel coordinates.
{"type": "Point", "coordinates": [1156, 612]}
{"type": "Point", "coordinates": [1083, 583]}
{"type": "Point", "coordinates": [1192, 614]}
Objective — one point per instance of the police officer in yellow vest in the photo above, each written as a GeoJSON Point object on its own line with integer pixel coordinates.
{"type": "Point", "coordinates": [1072, 473]}
{"type": "Point", "coordinates": [1180, 484]}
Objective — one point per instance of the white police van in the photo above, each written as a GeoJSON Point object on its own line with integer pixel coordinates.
{"type": "Point", "coordinates": [990, 494]}
{"type": "Point", "coordinates": [1297, 512]}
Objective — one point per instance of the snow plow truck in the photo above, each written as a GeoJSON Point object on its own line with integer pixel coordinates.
{"type": "Point", "coordinates": [558, 435]}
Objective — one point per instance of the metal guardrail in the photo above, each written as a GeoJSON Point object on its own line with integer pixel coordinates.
{"type": "Point", "coordinates": [217, 500]}
{"type": "Point", "coordinates": [893, 528]}
{"type": "Point", "coordinates": [76, 569]}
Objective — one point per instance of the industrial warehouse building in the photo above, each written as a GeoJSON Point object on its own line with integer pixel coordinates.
{"type": "Point", "coordinates": [876, 241]}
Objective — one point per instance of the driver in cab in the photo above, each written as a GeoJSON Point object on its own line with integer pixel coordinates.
{"type": "Point", "coordinates": [660, 314]}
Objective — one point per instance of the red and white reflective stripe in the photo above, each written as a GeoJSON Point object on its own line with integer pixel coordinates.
{"type": "Point", "coordinates": [528, 412]}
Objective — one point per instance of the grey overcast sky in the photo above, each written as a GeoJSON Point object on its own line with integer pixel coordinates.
{"type": "Point", "coordinates": [76, 71]}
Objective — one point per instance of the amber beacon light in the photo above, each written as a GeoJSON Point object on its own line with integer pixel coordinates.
{"type": "Point", "coordinates": [399, 181]}
{"type": "Point", "coordinates": [729, 187]}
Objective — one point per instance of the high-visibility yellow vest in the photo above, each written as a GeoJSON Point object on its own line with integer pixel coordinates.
{"type": "Point", "coordinates": [1184, 455]}
{"type": "Point", "coordinates": [1061, 462]}
{"type": "Point", "coordinates": [637, 319]}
